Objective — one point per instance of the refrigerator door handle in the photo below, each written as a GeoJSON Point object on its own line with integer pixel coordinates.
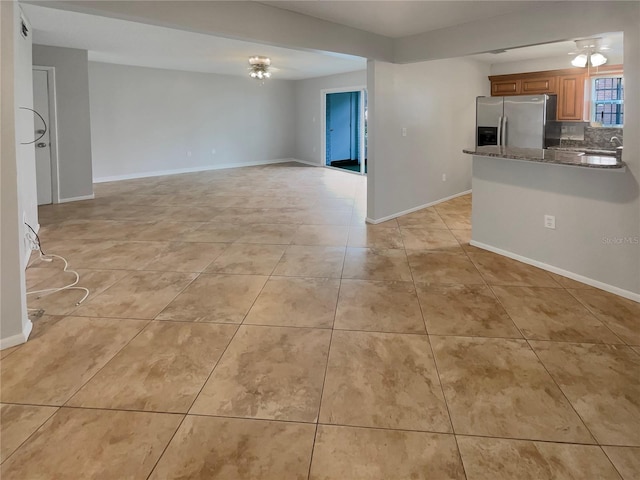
{"type": "Point", "coordinates": [504, 131]}
{"type": "Point", "coordinates": [499, 139]}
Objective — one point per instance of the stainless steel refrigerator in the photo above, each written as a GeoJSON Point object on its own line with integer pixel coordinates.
{"type": "Point", "coordinates": [527, 121]}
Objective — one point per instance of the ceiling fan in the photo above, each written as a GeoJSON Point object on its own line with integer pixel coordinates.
{"type": "Point", "coordinates": [589, 53]}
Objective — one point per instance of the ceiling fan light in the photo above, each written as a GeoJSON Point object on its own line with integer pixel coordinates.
{"type": "Point", "coordinates": [580, 61]}
{"type": "Point", "coordinates": [597, 59]}
{"type": "Point", "coordinates": [259, 67]}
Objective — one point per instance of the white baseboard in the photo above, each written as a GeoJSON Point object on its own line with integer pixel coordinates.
{"type": "Point", "coordinates": [313, 164]}
{"type": "Point", "coordinates": [77, 199]}
{"type": "Point", "coordinates": [177, 171]}
{"type": "Point", "coordinates": [18, 339]}
{"type": "Point", "coordinates": [565, 273]}
{"type": "Point", "coordinates": [414, 209]}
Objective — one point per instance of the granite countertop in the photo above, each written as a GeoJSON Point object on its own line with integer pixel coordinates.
{"type": "Point", "coordinates": [556, 157]}
{"type": "Point", "coordinates": [587, 150]}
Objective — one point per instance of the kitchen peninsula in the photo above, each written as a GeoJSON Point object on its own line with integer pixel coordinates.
{"type": "Point", "coordinates": [556, 210]}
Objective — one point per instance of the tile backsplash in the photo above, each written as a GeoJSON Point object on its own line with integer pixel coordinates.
{"type": "Point", "coordinates": [580, 134]}
{"type": "Point", "coordinates": [572, 130]}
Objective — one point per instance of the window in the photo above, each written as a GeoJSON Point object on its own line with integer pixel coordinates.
{"type": "Point", "coordinates": [608, 101]}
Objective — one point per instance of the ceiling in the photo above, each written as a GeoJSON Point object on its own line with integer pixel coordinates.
{"type": "Point", "coordinates": [612, 41]}
{"type": "Point", "coordinates": [402, 18]}
{"type": "Point", "coordinates": [125, 42]}
{"type": "Point", "coordinates": [130, 43]}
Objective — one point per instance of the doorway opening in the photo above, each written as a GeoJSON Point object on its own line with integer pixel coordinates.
{"type": "Point", "coordinates": [44, 126]}
{"type": "Point", "coordinates": [344, 129]}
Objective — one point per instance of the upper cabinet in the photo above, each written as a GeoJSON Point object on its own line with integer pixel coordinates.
{"type": "Point", "coordinates": [532, 83]}
{"type": "Point", "coordinates": [569, 85]}
{"type": "Point", "coordinates": [511, 86]}
{"type": "Point", "coordinates": [570, 97]}
{"type": "Point", "coordinates": [536, 85]}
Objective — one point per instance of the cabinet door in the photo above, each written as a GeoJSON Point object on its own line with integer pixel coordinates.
{"type": "Point", "coordinates": [533, 86]}
{"type": "Point", "coordinates": [570, 97]}
{"type": "Point", "coordinates": [506, 87]}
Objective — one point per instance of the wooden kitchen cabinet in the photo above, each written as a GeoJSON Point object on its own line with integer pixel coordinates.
{"type": "Point", "coordinates": [506, 87]}
{"type": "Point", "coordinates": [536, 85]}
{"type": "Point", "coordinates": [571, 97]}
{"type": "Point", "coordinates": [523, 84]}
{"type": "Point", "coordinates": [567, 84]}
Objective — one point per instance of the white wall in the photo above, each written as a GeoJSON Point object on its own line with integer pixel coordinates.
{"type": "Point", "coordinates": [145, 120]}
{"type": "Point", "coordinates": [25, 125]}
{"type": "Point", "coordinates": [435, 102]}
{"type": "Point", "coordinates": [17, 177]}
{"type": "Point", "coordinates": [309, 119]}
{"type": "Point", "coordinates": [73, 125]}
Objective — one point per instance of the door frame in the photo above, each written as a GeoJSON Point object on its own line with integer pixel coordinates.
{"type": "Point", "coordinates": [323, 124]}
{"type": "Point", "coordinates": [53, 131]}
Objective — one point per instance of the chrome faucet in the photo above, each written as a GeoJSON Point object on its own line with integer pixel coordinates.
{"type": "Point", "coordinates": [615, 139]}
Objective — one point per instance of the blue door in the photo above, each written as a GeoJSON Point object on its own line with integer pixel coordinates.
{"type": "Point", "coordinates": [342, 126]}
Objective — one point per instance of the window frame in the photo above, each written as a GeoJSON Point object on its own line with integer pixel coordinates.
{"type": "Point", "coordinates": [593, 101]}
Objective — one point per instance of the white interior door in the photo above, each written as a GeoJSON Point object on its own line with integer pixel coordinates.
{"type": "Point", "coordinates": [41, 127]}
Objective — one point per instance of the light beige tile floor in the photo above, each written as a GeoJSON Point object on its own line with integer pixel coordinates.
{"type": "Point", "coordinates": [296, 302]}
{"type": "Point", "coordinates": [502, 459]}
{"type": "Point", "coordinates": [247, 323]}
{"type": "Point", "coordinates": [268, 372]}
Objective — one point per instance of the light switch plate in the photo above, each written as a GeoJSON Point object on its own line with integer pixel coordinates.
{"type": "Point", "coordinates": [550, 222]}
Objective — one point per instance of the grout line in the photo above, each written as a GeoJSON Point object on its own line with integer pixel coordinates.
{"type": "Point", "coordinates": [611, 462]}
{"type": "Point", "coordinates": [546, 370]}
{"type": "Point", "coordinates": [534, 440]}
{"type": "Point", "coordinates": [563, 392]}
{"type": "Point", "coordinates": [314, 327]}
{"type": "Point", "coordinates": [324, 381]}
{"type": "Point", "coordinates": [437, 371]}
{"type": "Point", "coordinates": [14, 349]}
{"type": "Point", "coordinates": [594, 313]}
{"type": "Point", "coordinates": [184, 417]}
{"type": "Point", "coordinates": [75, 392]}
{"type": "Point", "coordinates": [497, 299]}
{"type": "Point", "coordinates": [255, 300]}
{"type": "Point", "coordinates": [326, 367]}
{"type": "Point", "coordinates": [57, 409]}
{"type": "Point", "coordinates": [344, 425]}
{"type": "Point", "coordinates": [216, 363]}
{"type": "Point", "coordinates": [109, 409]}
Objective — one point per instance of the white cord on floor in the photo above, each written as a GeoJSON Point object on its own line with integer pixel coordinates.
{"type": "Point", "coordinates": [72, 286]}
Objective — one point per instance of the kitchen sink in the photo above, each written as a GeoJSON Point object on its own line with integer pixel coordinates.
{"type": "Point", "coordinates": [565, 155]}
{"type": "Point", "coordinates": [588, 151]}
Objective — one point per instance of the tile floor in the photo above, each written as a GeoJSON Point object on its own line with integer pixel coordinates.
{"type": "Point", "coordinates": [248, 324]}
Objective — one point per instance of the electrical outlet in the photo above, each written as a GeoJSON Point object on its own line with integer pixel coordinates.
{"type": "Point", "coordinates": [188, 153]}
{"type": "Point", "coordinates": [404, 132]}
{"type": "Point", "coordinates": [32, 242]}
{"type": "Point", "coordinates": [314, 149]}
{"type": "Point", "coordinates": [213, 151]}
{"type": "Point", "coordinates": [550, 222]}
{"type": "Point", "coordinates": [444, 177]}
